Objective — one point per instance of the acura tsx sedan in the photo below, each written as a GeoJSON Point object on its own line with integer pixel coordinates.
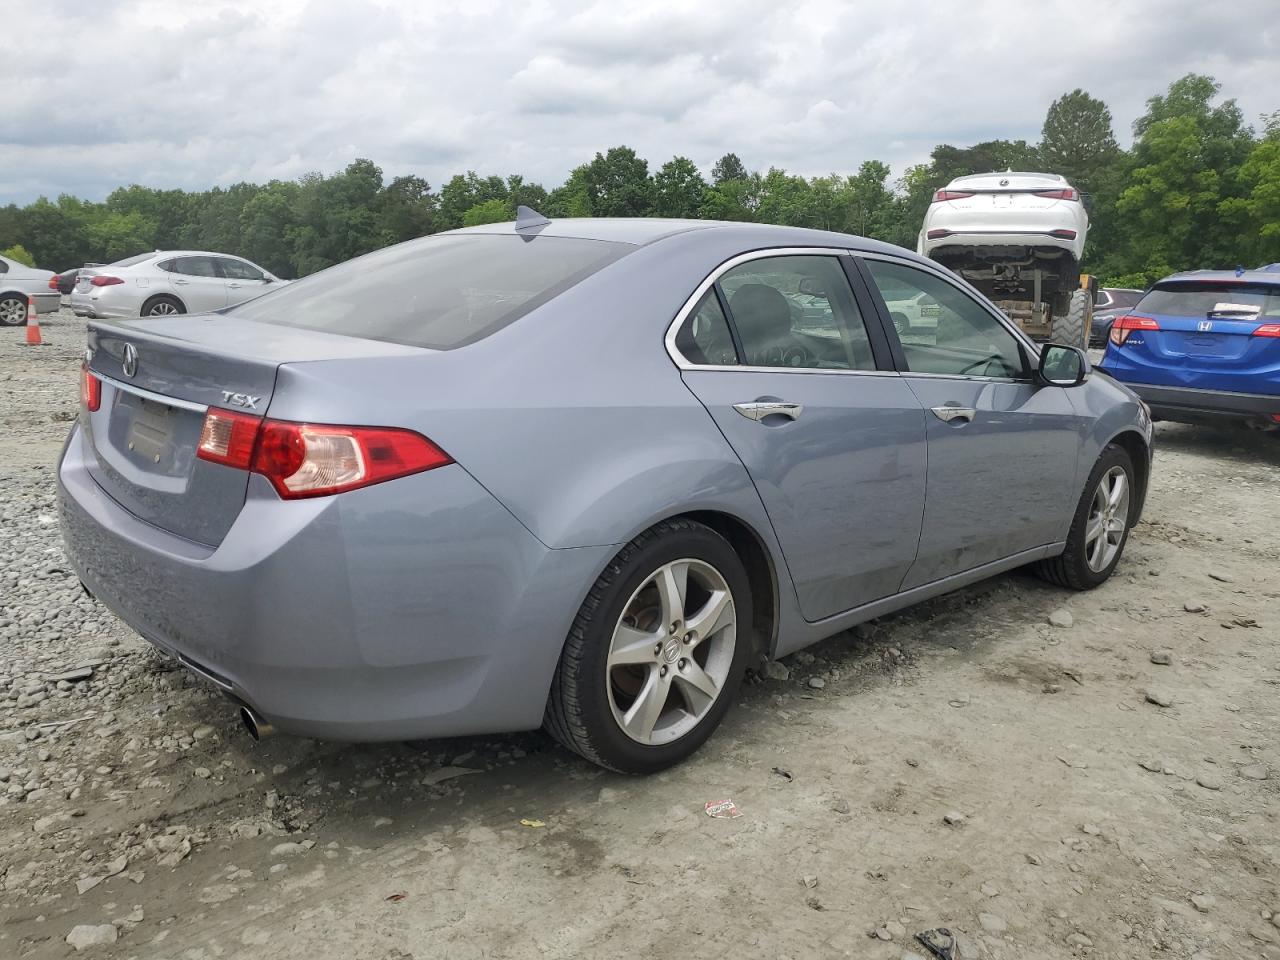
{"type": "Point", "coordinates": [579, 474]}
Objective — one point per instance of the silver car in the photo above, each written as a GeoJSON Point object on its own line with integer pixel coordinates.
{"type": "Point", "coordinates": [579, 474]}
{"type": "Point", "coordinates": [18, 282]}
{"type": "Point", "coordinates": [167, 282]}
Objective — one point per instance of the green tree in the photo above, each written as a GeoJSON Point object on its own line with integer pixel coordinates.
{"type": "Point", "coordinates": [462, 193]}
{"type": "Point", "coordinates": [490, 211]}
{"type": "Point", "coordinates": [572, 198]}
{"type": "Point", "coordinates": [678, 189]}
{"type": "Point", "coordinates": [19, 253]}
{"type": "Point", "coordinates": [1257, 209]}
{"type": "Point", "coordinates": [736, 199]}
{"type": "Point", "coordinates": [1077, 140]}
{"type": "Point", "coordinates": [729, 167]}
{"type": "Point", "coordinates": [618, 184]}
{"type": "Point", "coordinates": [784, 198]}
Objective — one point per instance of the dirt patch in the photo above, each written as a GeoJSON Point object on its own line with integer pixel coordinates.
{"type": "Point", "coordinates": [966, 764]}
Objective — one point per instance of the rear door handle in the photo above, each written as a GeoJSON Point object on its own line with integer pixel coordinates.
{"type": "Point", "coordinates": [234, 286]}
{"type": "Point", "coordinates": [949, 413]}
{"type": "Point", "coordinates": [182, 283]}
{"type": "Point", "coordinates": [760, 409]}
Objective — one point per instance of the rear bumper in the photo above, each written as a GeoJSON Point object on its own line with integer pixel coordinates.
{"type": "Point", "coordinates": [49, 302]}
{"type": "Point", "coordinates": [410, 609]}
{"type": "Point", "coordinates": [101, 307]}
{"type": "Point", "coordinates": [1187, 405]}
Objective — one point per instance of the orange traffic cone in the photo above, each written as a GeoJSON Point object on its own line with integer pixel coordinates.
{"type": "Point", "coordinates": [33, 323]}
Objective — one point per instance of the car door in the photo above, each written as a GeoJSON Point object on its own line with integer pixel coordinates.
{"type": "Point", "coordinates": [1002, 449]}
{"type": "Point", "coordinates": [776, 348]}
{"type": "Point", "coordinates": [198, 283]}
{"type": "Point", "coordinates": [244, 280]}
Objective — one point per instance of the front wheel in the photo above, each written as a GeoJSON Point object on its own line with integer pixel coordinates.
{"type": "Point", "coordinates": [1100, 527]}
{"type": "Point", "coordinates": [656, 653]}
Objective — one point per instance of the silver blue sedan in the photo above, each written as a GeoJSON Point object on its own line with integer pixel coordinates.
{"type": "Point", "coordinates": [580, 474]}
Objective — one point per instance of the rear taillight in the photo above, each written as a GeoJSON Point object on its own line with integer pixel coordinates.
{"type": "Point", "coordinates": [1067, 194]}
{"type": "Point", "coordinates": [1063, 234]}
{"type": "Point", "coordinates": [90, 389]}
{"type": "Point", "coordinates": [1268, 330]}
{"type": "Point", "coordinates": [102, 280]}
{"type": "Point", "coordinates": [1125, 325]}
{"type": "Point", "coordinates": [228, 438]}
{"type": "Point", "coordinates": [951, 195]}
{"type": "Point", "coordinates": [315, 460]}
{"type": "Point", "coordinates": [53, 283]}
{"type": "Point", "coordinates": [938, 234]}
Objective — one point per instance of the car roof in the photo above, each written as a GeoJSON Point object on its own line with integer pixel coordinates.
{"type": "Point", "coordinates": [645, 230]}
{"type": "Point", "coordinates": [1224, 276]}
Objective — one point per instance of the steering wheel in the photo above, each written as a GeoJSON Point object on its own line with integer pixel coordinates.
{"type": "Point", "coordinates": [788, 355]}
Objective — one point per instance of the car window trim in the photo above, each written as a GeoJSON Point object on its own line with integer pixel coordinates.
{"type": "Point", "coordinates": [712, 280]}
{"type": "Point", "coordinates": [1030, 349]}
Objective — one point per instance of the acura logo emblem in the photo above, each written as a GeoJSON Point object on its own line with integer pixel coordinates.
{"type": "Point", "coordinates": [129, 362]}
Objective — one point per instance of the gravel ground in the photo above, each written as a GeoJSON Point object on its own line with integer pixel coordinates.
{"type": "Point", "coordinates": [1047, 774]}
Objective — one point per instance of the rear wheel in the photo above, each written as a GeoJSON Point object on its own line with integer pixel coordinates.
{"type": "Point", "coordinates": [656, 653]}
{"type": "Point", "coordinates": [162, 306]}
{"type": "Point", "coordinates": [13, 310]}
{"type": "Point", "coordinates": [1100, 527]}
{"type": "Point", "coordinates": [1071, 326]}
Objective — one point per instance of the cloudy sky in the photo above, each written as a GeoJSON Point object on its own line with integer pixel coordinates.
{"type": "Point", "coordinates": [195, 94]}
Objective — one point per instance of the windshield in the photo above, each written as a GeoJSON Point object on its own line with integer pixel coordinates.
{"type": "Point", "coordinates": [1202, 299]}
{"type": "Point", "coordinates": [441, 292]}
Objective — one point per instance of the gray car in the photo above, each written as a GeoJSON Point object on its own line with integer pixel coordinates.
{"type": "Point", "coordinates": [20, 284]}
{"type": "Point", "coordinates": [579, 474]}
{"type": "Point", "coordinates": [166, 282]}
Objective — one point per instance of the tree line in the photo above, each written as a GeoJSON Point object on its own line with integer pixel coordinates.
{"type": "Point", "coordinates": [1198, 188]}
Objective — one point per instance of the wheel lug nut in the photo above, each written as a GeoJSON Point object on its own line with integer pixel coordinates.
{"type": "Point", "coordinates": [662, 672]}
{"type": "Point", "coordinates": [657, 649]}
{"type": "Point", "coordinates": [682, 664]}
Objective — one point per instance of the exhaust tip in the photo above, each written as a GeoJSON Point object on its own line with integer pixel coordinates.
{"type": "Point", "coordinates": [254, 725]}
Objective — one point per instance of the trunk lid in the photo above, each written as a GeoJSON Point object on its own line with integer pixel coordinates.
{"type": "Point", "coordinates": [159, 377]}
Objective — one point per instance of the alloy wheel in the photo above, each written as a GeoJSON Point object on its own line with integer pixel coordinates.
{"type": "Point", "coordinates": [1108, 518]}
{"type": "Point", "coordinates": [12, 312]}
{"type": "Point", "coordinates": [162, 309]}
{"type": "Point", "coordinates": [671, 651]}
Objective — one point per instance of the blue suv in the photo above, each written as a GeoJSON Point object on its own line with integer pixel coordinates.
{"type": "Point", "coordinates": [1204, 346]}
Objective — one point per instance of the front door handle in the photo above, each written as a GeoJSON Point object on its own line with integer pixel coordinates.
{"type": "Point", "coordinates": [949, 414]}
{"type": "Point", "coordinates": [182, 283]}
{"type": "Point", "coordinates": [760, 409]}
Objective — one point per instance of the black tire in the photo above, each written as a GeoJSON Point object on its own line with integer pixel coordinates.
{"type": "Point", "coordinates": [155, 306]}
{"type": "Point", "coordinates": [13, 310]}
{"type": "Point", "coordinates": [1071, 568]}
{"type": "Point", "coordinates": [1072, 326]}
{"type": "Point", "coordinates": [579, 712]}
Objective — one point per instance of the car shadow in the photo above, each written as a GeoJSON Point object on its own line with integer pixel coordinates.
{"type": "Point", "coordinates": [1238, 444]}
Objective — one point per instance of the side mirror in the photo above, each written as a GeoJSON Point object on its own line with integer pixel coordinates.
{"type": "Point", "coordinates": [268, 278]}
{"type": "Point", "coordinates": [1063, 366]}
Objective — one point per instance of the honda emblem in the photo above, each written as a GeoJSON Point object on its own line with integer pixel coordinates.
{"type": "Point", "coordinates": [1204, 326]}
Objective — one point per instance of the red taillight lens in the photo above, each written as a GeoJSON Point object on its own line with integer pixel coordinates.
{"type": "Point", "coordinates": [53, 283]}
{"type": "Point", "coordinates": [1125, 325]}
{"type": "Point", "coordinates": [228, 438]}
{"type": "Point", "coordinates": [314, 460]}
{"type": "Point", "coordinates": [102, 280]}
{"type": "Point", "coordinates": [938, 234]}
{"type": "Point", "coordinates": [1268, 330]}
{"type": "Point", "coordinates": [1067, 194]}
{"type": "Point", "coordinates": [1063, 234]}
{"type": "Point", "coordinates": [951, 195]}
{"type": "Point", "coordinates": [90, 389]}
{"type": "Point", "coordinates": [310, 460]}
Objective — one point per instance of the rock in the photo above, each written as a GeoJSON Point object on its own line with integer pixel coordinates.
{"type": "Point", "coordinates": [204, 773]}
{"type": "Point", "coordinates": [1221, 578]}
{"type": "Point", "coordinates": [1090, 829]}
{"type": "Point", "coordinates": [1254, 771]}
{"type": "Point", "coordinates": [1078, 939]}
{"type": "Point", "coordinates": [816, 683]}
{"type": "Point", "coordinates": [89, 935]}
{"type": "Point", "coordinates": [1162, 657]}
{"type": "Point", "coordinates": [1210, 781]}
{"type": "Point", "coordinates": [989, 889]}
{"type": "Point", "coordinates": [71, 676]}
{"type": "Point", "coordinates": [993, 924]}
{"type": "Point", "coordinates": [1152, 766]}
{"type": "Point", "coordinates": [1061, 618]}
{"type": "Point", "coordinates": [446, 773]}
{"type": "Point", "coordinates": [880, 933]}
{"type": "Point", "coordinates": [1193, 606]}
{"type": "Point", "coordinates": [85, 884]}
{"type": "Point", "coordinates": [287, 849]}
{"type": "Point", "coordinates": [1160, 697]}
{"type": "Point", "coordinates": [840, 806]}
{"type": "Point", "coordinates": [896, 930]}
{"type": "Point", "coordinates": [773, 670]}
{"type": "Point", "coordinates": [953, 819]}
{"type": "Point", "coordinates": [1264, 933]}
{"type": "Point", "coordinates": [1204, 902]}
{"type": "Point", "coordinates": [202, 732]}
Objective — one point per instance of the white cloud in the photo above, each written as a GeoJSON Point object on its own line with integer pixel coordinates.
{"type": "Point", "coordinates": [120, 91]}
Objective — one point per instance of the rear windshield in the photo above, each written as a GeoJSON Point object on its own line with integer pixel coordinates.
{"type": "Point", "coordinates": [130, 261]}
{"type": "Point", "coordinates": [1202, 299]}
{"type": "Point", "coordinates": [441, 292]}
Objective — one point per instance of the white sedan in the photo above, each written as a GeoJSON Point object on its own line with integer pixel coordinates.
{"type": "Point", "coordinates": [18, 282]}
{"type": "Point", "coordinates": [167, 282]}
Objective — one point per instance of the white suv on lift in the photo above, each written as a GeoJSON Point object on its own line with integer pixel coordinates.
{"type": "Point", "coordinates": [1017, 237]}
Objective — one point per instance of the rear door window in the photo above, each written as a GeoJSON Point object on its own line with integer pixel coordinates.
{"type": "Point", "coordinates": [440, 292]}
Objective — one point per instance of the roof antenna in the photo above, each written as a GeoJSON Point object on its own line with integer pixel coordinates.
{"type": "Point", "coordinates": [528, 218]}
